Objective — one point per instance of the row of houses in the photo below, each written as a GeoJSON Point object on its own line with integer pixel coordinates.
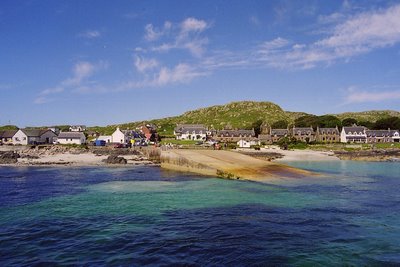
{"type": "Point", "coordinates": [145, 133]}
{"type": "Point", "coordinates": [354, 134]}
{"type": "Point", "coordinates": [40, 136]}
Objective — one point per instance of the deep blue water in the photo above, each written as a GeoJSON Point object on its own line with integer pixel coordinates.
{"type": "Point", "coordinates": [145, 216]}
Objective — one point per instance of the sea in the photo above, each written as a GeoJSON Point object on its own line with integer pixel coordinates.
{"type": "Point", "coordinates": [349, 215]}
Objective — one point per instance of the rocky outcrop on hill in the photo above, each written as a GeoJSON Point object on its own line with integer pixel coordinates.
{"type": "Point", "coordinates": [8, 157]}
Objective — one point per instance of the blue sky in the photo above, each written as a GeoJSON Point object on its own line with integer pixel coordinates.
{"type": "Point", "coordinates": [107, 62]}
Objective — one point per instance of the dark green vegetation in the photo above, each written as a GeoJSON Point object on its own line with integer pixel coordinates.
{"type": "Point", "coordinates": [8, 127]}
{"type": "Point", "coordinates": [251, 114]}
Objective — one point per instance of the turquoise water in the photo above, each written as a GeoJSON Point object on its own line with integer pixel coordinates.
{"type": "Point", "coordinates": [145, 216]}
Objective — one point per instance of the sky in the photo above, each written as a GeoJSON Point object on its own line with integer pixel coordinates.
{"type": "Point", "coordinates": [108, 62]}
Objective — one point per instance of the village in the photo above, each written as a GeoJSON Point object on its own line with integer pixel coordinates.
{"type": "Point", "coordinates": [241, 138]}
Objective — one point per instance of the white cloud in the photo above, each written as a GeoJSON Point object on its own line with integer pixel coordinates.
{"type": "Point", "coordinates": [193, 25]}
{"type": "Point", "coordinates": [90, 34]}
{"type": "Point", "coordinates": [357, 35]}
{"type": "Point", "coordinates": [182, 73]}
{"type": "Point", "coordinates": [42, 100]}
{"type": "Point", "coordinates": [143, 64]}
{"type": "Point", "coordinates": [81, 71]}
{"type": "Point", "coordinates": [184, 35]}
{"type": "Point", "coordinates": [151, 33]}
{"type": "Point", "coordinates": [273, 45]}
{"type": "Point", "coordinates": [366, 32]}
{"type": "Point", "coordinates": [51, 91]}
{"type": "Point", "coordinates": [355, 96]}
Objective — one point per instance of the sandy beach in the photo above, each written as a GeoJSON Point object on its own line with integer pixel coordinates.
{"type": "Point", "coordinates": [302, 155]}
{"type": "Point", "coordinates": [227, 164]}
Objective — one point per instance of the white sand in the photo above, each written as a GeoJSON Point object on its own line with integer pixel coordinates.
{"type": "Point", "coordinates": [303, 155]}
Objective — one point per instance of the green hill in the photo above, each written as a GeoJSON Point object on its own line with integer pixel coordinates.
{"type": "Point", "coordinates": [241, 114]}
{"type": "Point", "coordinates": [236, 115]}
{"type": "Point", "coordinates": [371, 116]}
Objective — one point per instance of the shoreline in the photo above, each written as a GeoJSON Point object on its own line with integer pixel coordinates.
{"type": "Point", "coordinates": [72, 157]}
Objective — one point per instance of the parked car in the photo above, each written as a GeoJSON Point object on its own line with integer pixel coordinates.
{"type": "Point", "coordinates": [119, 146]}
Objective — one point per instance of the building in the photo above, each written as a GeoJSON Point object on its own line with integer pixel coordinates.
{"type": "Point", "coordinates": [150, 132]}
{"type": "Point", "coordinates": [33, 137]}
{"type": "Point", "coordinates": [247, 143]}
{"type": "Point", "coordinates": [67, 138]}
{"type": "Point", "coordinates": [119, 137]}
{"type": "Point", "coordinates": [6, 137]}
{"type": "Point", "coordinates": [304, 134]}
{"type": "Point", "coordinates": [105, 138]}
{"type": "Point", "coordinates": [77, 128]}
{"type": "Point", "coordinates": [278, 134]}
{"type": "Point", "coordinates": [354, 134]}
{"type": "Point", "coordinates": [327, 135]}
{"type": "Point", "coordinates": [382, 136]}
{"type": "Point", "coordinates": [235, 135]}
{"type": "Point", "coordinates": [191, 132]}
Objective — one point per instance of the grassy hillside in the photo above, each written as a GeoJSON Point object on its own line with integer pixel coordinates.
{"type": "Point", "coordinates": [372, 115]}
{"type": "Point", "coordinates": [238, 115]}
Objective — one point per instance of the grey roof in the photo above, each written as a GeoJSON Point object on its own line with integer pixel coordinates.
{"type": "Point", "coordinates": [8, 133]}
{"type": "Point", "coordinates": [279, 132]}
{"type": "Point", "coordinates": [35, 132]}
{"type": "Point", "coordinates": [328, 131]}
{"type": "Point", "coordinates": [190, 128]}
{"type": "Point", "coordinates": [380, 133]}
{"type": "Point", "coordinates": [357, 129]}
{"type": "Point", "coordinates": [236, 133]}
{"type": "Point", "coordinates": [71, 135]}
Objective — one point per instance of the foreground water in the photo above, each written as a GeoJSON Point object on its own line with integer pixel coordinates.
{"type": "Point", "coordinates": [125, 216]}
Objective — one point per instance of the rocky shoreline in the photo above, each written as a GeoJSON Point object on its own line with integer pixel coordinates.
{"type": "Point", "coordinates": [75, 156]}
{"type": "Point", "coordinates": [392, 155]}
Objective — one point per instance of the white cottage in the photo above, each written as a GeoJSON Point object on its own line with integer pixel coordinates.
{"type": "Point", "coordinates": [355, 134]}
{"type": "Point", "coordinates": [242, 143]}
{"type": "Point", "coordinates": [118, 137]}
{"type": "Point", "coordinates": [33, 137]}
{"type": "Point", "coordinates": [191, 132]}
{"type": "Point", "coordinates": [67, 138]}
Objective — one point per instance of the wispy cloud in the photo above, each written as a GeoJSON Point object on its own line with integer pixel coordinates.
{"type": "Point", "coordinates": [184, 35]}
{"type": "Point", "coordinates": [353, 95]}
{"type": "Point", "coordinates": [81, 71]}
{"type": "Point", "coordinates": [90, 34]}
{"type": "Point", "coordinates": [254, 20]}
{"type": "Point", "coordinates": [356, 35]}
{"type": "Point", "coordinates": [143, 64]}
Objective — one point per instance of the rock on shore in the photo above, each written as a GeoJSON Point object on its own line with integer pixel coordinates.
{"type": "Point", "coordinates": [8, 157]}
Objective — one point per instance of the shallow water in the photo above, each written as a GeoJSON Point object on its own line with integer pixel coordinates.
{"type": "Point", "coordinates": [137, 216]}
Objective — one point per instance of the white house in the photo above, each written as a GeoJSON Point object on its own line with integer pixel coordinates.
{"type": "Point", "coordinates": [190, 132]}
{"type": "Point", "coordinates": [6, 137]}
{"type": "Point", "coordinates": [66, 138]}
{"type": "Point", "coordinates": [242, 143]}
{"type": "Point", "coordinates": [33, 137]}
{"type": "Point", "coordinates": [355, 134]}
{"type": "Point", "coordinates": [106, 138]}
{"type": "Point", "coordinates": [77, 128]}
{"type": "Point", "coordinates": [118, 137]}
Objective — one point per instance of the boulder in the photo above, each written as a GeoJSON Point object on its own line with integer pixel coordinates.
{"type": "Point", "coordinates": [8, 157]}
{"type": "Point", "coordinates": [113, 159]}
